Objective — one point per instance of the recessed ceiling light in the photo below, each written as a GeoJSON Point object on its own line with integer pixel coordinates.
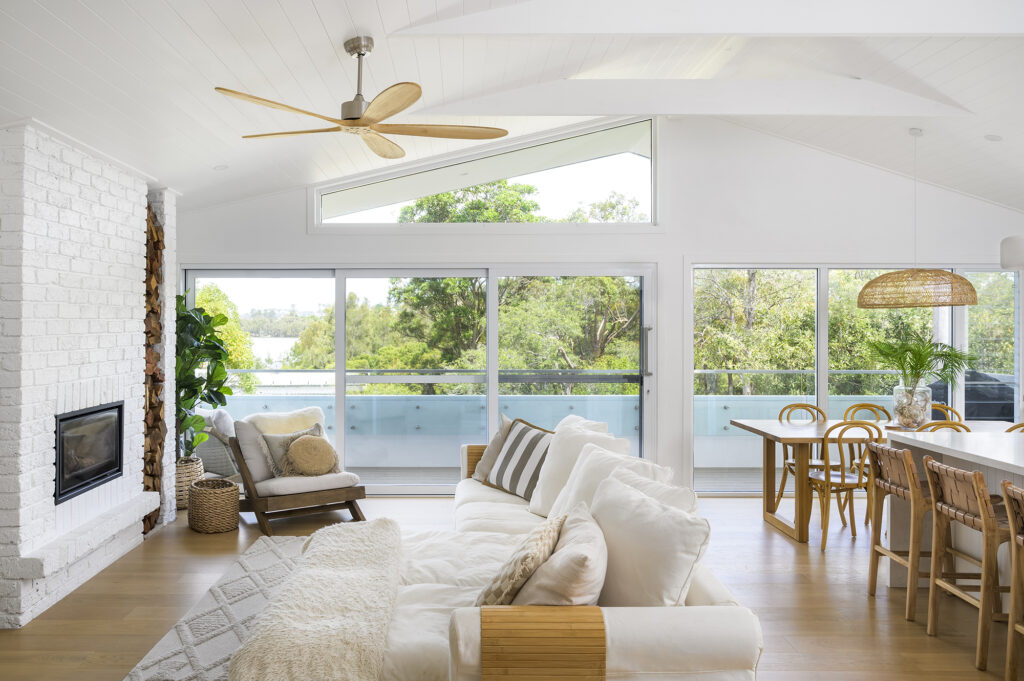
{"type": "Point", "coordinates": [994, 138]}
{"type": "Point", "coordinates": [220, 167]}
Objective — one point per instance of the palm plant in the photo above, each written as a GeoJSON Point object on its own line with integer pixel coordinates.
{"type": "Point", "coordinates": [918, 357]}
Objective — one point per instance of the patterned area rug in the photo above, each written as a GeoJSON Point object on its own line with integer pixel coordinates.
{"type": "Point", "coordinates": [200, 645]}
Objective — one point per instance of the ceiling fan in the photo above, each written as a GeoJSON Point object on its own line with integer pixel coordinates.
{"type": "Point", "coordinates": [360, 118]}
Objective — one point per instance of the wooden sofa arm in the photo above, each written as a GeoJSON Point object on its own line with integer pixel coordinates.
{"type": "Point", "coordinates": [530, 642]}
{"type": "Point", "coordinates": [470, 458]}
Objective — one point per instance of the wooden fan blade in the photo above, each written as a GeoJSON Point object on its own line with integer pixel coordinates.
{"type": "Point", "coordinates": [382, 146]}
{"type": "Point", "coordinates": [457, 132]}
{"type": "Point", "coordinates": [272, 104]}
{"type": "Point", "coordinates": [396, 98]}
{"type": "Point", "coordinates": [293, 132]}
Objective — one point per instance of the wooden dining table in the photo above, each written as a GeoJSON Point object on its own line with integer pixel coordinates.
{"type": "Point", "coordinates": [801, 436]}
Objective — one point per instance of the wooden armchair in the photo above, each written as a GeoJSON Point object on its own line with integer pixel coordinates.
{"type": "Point", "coordinates": [267, 507]}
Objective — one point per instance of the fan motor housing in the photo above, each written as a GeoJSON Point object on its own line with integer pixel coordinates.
{"type": "Point", "coordinates": [353, 109]}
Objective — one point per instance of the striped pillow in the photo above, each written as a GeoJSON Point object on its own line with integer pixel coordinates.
{"type": "Point", "coordinates": [518, 464]}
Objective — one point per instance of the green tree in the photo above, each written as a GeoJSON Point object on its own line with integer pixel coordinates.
{"type": "Point", "coordinates": [314, 348]}
{"type": "Point", "coordinates": [496, 201]}
{"type": "Point", "coordinates": [449, 314]}
{"type": "Point", "coordinates": [211, 298]}
{"type": "Point", "coordinates": [616, 208]}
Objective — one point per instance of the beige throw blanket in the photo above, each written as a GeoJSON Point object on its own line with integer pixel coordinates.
{"type": "Point", "coordinates": [329, 621]}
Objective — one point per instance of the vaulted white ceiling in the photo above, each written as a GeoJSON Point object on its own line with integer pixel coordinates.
{"type": "Point", "coordinates": [135, 79]}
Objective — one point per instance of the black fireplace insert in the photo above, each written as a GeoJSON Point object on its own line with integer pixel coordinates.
{"type": "Point", "coordinates": [89, 444]}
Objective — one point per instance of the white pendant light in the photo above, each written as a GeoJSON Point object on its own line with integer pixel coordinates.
{"type": "Point", "coordinates": [1011, 253]}
{"type": "Point", "coordinates": [918, 287]}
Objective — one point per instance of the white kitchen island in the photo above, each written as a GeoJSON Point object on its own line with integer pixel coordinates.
{"type": "Point", "coordinates": [997, 454]}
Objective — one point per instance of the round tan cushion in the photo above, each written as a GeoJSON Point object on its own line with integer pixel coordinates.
{"type": "Point", "coordinates": [310, 455]}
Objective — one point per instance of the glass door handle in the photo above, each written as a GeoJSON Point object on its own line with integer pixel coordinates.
{"type": "Point", "coordinates": [645, 339]}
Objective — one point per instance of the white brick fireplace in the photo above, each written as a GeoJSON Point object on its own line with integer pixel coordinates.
{"type": "Point", "coordinates": [72, 269]}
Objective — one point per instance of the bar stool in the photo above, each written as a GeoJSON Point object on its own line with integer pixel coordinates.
{"type": "Point", "coordinates": [1014, 499]}
{"type": "Point", "coordinates": [961, 496]}
{"type": "Point", "coordinates": [893, 472]}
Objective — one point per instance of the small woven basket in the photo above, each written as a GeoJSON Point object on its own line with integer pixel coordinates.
{"type": "Point", "coordinates": [213, 506]}
{"type": "Point", "coordinates": [188, 471]}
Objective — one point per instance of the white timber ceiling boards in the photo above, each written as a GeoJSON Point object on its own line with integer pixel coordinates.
{"type": "Point", "coordinates": [135, 78]}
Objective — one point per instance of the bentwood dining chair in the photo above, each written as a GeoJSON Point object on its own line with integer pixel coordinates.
{"type": "Point", "coordinates": [802, 411]}
{"type": "Point", "coordinates": [877, 412]}
{"type": "Point", "coordinates": [950, 413]}
{"type": "Point", "coordinates": [843, 469]}
{"type": "Point", "coordinates": [1016, 428]}
{"type": "Point", "coordinates": [960, 496]}
{"type": "Point", "coordinates": [1014, 499]}
{"type": "Point", "coordinates": [932, 426]}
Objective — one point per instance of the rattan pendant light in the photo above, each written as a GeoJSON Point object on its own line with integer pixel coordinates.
{"type": "Point", "coordinates": [917, 287]}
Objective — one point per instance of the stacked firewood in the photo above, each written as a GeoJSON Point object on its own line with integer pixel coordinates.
{"type": "Point", "coordinates": [155, 427]}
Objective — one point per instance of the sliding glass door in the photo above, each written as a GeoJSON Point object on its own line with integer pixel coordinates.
{"type": "Point", "coordinates": [571, 345]}
{"type": "Point", "coordinates": [415, 375]}
{"type": "Point", "coordinates": [279, 335]}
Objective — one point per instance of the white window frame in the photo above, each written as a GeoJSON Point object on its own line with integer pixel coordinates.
{"type": "Point", "coordinates": [647, 272]}
{"type": "Point", "coordinates": [316, 225]}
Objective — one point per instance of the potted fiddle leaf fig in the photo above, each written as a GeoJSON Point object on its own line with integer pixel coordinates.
{"type": "Point", "coordinates": [919, 359]}
{"type": "Point", "coordinates": [200, 375]}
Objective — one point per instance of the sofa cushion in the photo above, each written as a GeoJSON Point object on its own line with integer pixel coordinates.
{"type": "Point", "coordinates": [577, 421]}
{"type": "Point", "coordinates": [653, 549]}
{"type": "Point", "coordinates": [490, 455]}
{"type": "Point", "coordinates": [566, 445]}
{"type": "Point", "coordinates": [470, 490]}
{"type": "Point", "coordinates": [535, 548]}
{"type": "Point", "coordinates": [574, 574]}
{"type": "Point", "coordinates": [275, 446]}
{"type": "Point", "coordinates": [518, 465]}
{"type": "Point", "coordinates": [594, 466]}
{"type": "Point", "coordinates": [250, 441]}
{"type": "Point", "coordinates": [683, 498]}
{"type": "Point", "coordinates": [296, 484]}
{"type": "Point", "coordinates": [281, 422]}
{"type": "Point", "coordinates": [487, 516]}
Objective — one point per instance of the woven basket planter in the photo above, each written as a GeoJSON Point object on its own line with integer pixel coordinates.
{"type": "Point", "coordinates": [188, 471]}
{"type": "Point", "coordinates": [213, 506]}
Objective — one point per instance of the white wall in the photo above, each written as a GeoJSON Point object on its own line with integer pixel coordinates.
{"type": "Point", "coordinates": [726, 194]}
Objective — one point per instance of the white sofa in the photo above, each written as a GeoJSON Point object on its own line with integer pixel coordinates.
{"type": "Point", "coordinates": [712, 637]}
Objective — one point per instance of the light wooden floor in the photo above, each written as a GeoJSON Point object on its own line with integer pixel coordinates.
{"type": "Point", "coordinates": [818, 621]}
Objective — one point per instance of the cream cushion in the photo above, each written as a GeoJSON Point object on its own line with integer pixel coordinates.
{"type": "Point", "coordinates": [486, 516]}
{"type": "Point", "coordinates": [683, 498]}
{"type": "Point", "coordinates": [275, 447]}
{"type": "Point", "coordinates": [282, 422]}
{"type": "Point", "coordinates": [490, 455]}
{"type": "Point", "coordinates": [577, 421]}
{"type": "Point", "coordinates": [653, 549]}
{"type": "Point", "coordinates": [564, 450]}
{"type": "Point", "coordinates": [296, 484]}
{"type": "Point", "coordinates": [469, 491]}
{"type": "Point", "coordinates": [592, 467]}
{"type": "Point", "coordinates": [310, 455]}
{"type": "Point", "coordinates": [250, 441]}
{"type": "Point", "coordinates": [574, 574]}
{"type": "Point", "coordinates": [535, 548]}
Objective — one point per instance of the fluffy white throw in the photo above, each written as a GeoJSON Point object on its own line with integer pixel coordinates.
{"type": "Point", "coordinates": [329, 621]}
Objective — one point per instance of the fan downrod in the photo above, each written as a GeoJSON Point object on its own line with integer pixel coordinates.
{"type": "Point", "coordinates": [357, 47]}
